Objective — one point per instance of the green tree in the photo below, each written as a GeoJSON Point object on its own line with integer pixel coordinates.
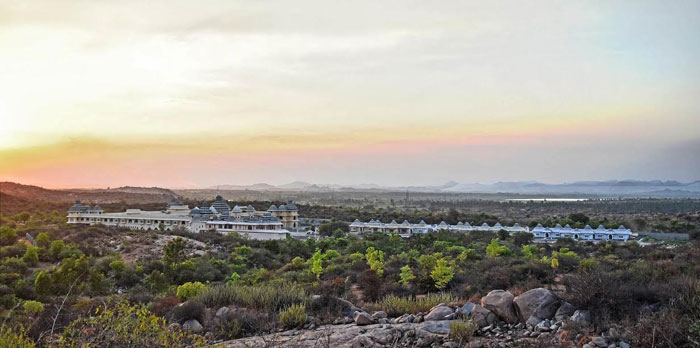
{"type": "Point", "coordinates": [56, 248]}
{"type": "Point", "coordinates": [190, 290]}
{"type": "Point", "coordinates": [8, 235]}
{"type": "Point", "coordinates": [375, 259]}
{"type": "Point", "coordinates": [317, 263]}
{"type": "Point", "coordinates": [174, 252]}
{"type": "Point", "coordinates": [406, 275]}
{"type": "Point", "coordinates": [442, 274]}
{"type": "Point", "coordinates": [494, 249]}
{"type": "Point", "coordinates": [43, 240]}
{"type": "Point", "coordinates": [43, 284]}
{"type": "Point", "coordinates": [31, 256]}
{"type": "Point", "coordinates": [530, 252]}
{"type": "Point", "coordinates": [157, 282]}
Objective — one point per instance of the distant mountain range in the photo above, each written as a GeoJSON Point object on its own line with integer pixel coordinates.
{"type": "Point", "coordinates": [627, 188]}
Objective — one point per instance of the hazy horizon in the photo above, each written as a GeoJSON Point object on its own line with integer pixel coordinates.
{"type": "Point", "coordinates": [186, 94]}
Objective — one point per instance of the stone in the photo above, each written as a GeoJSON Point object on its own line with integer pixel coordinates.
{"type": "Point", "coordinates": [466, 310]}
{"type": "Point", "coordinates": [379, 315]}
{"type": "Point", "coordinates": [539, 302]}
{"type": "Point", "coordinates": [599, 341]}
{"type": "Point", "coordinates": [565, 311]}
{"type": "Point", "coordinates": [501, 304]}
{"type": "Point", "coordinates": [482, 316]}
{"type": "Point", "coordinates": [532, 321]}
{"type": "Point", "coordinates": [624, 344]}
{"type": "Point", "coordinates": [542, 327]}
{"type": "Point", "coordinates": [192, 325]}
{"type": "Point", "coordinates": [587, 346]}
{"type": "Point", "coordinates": [362, 318]}
{"type": "Point", "coordinates": [174, 327]}
{"type": "Point", "coordinates": [439, 313]}
{"type": "Point", "coordinates": [222, 312]}
{"type": "Point", "coordinates": [581, 317]}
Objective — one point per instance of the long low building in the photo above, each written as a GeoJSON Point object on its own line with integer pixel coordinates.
{"type": "Point", "coordinates": [406, 228]}
{"type": "Point", "coordinates": [539, 232]}
{"type": "Point", "coordinates": [619, 234]}
{"type": "Point", "coordinates": [219, 216]}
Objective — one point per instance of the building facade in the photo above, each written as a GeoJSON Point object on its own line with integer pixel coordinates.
{"type": "Point", "coordinates": [218, 216]}
{"type": "Point", "coordinates": [540, 232]}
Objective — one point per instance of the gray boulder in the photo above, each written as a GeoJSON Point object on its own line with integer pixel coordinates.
{"type": "Point", "coordinates": [482, 316]}
{"type": "Point", "coordinates": [565, 311]}
{"type": "Point", "coordinates": [581, 317]}
{"type": "Point", "coordinates": [362, 318]}
{"type": "Point", "coordinates": [539, 302]}
{"type": "Point", "coordinates": [439, 313]}
{"type": "Point", "coordinates": [192, 325]}
{"type": "Point", "coordinates": [500, 303]}
{"type": "Point", "coordinates": [532, 321]}
{"type": "Point", "coordinates": [222, 311]}
{"type": "Point", "coordinates": [379, 315]}
{"type": "Point", "coordinates": [467, 309]}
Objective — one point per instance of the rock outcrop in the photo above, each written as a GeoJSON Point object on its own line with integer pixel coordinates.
{"type": "Point", "coordinates": [423, 334]}
{"type": "Point", "coordinates": [440, 312]}
{"type": "Point", "coordinates": [482, 316]}
{"type": "Point", "coordinates": [501, 304]}
{"type": "Point", "coordinates": [539, 302]}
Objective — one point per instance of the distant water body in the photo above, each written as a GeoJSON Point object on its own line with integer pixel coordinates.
{"type": "Point", "coordinates": [546, 199]}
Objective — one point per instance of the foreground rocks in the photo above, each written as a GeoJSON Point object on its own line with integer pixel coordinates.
{"type": "Point", "coordinates": [535, 318]}
{"type": "Point", "coordinates": [423, 334]}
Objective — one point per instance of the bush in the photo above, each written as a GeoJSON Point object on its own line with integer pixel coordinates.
{"type": "Point", "coordinates": [395, 306]}
{"type": "Point", "coordinates": [188, 311]}
{"type": "Point", "coordinates": [461, 331]}
{"type": "Point", "coordinates": [125, 326]}
{"type": "Point", "coordinates": [33, 307]}
{"type": "Point", "coordinates": [293, 316]}
{"type": "Point", "coordinates": [9, 338]}
{"type": "Point", "coordinates": [163, 305]}
{"type": "Point", "coordinates": [190, 290]}
{"type": "Point", "coordinates": [263, 296]}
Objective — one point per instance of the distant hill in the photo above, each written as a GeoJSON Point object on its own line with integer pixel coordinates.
{"type": "Point", "coordinates": [95, 196]}
{"type": "Point", "coordinates": [609, 188]}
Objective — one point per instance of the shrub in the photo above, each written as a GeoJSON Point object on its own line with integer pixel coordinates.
{"type": "Point", "coordinates": [262, 296]}
{"type": "Point", "coordinates": [125, 326]}
{"type": "Point", "coordinates": [241, 323]}
{"type": "Point", "coordinates": [293, 316]}
{"type": "Point", "coordinates": [9, 338]}
{"type": "Point", "coordinates": [33, 307]}
{"type": "Point", "coordinates": [187, 311]}
{"type": "Point", "coordinates": [189, 290]}
{"type": "Point", "coordinates": [395, 306]}
{"type": "Point", "coordinates": [462, 330]}
{"type": "Point", "coordinates": [31, 256]}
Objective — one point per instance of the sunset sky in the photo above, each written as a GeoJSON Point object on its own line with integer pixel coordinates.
{"type": "Point", "coordinates": [199, 93]}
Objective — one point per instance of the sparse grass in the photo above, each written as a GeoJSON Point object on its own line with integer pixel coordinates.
{"type": "Point", "coordinates": [461, 331]}
{"type": "Point", "coordinates": [395, 306]}
{"type": "Point", "coordinates": [293, 316]}
{"type": "Point", "coordinates": [262, 296]}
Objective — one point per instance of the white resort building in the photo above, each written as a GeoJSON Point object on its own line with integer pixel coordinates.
{"type": "Point", "coordinates": [587, 233]}
{"type": "Point", "coordinates": [406, 229]}
{"type": "Point", "coordinates": [220, 217]}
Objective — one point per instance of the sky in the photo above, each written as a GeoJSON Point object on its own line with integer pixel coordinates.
{"type": "Point", "coordinates": [190, 94]}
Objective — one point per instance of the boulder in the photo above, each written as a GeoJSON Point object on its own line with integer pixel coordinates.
{"type": "Point", "coordinates": [192, 325]}
{"type": "Point", "coordinates": [565, 311]}
{"type": "Point", "coordinates": [500, 303]}
{"type": "Point", "coordinates": [362, 318]}
{"type": "Point", "coordinates": [581, 317]}
{"type": "Point", "coordinates": [539, 302]}
{"type": "Point", "coordinates": [466, 310]}
{"type": "Point", "coordinates": [532, 321]}
{"type": "Point", "coordinates": [222, 311]}
{"type": "Point", "coordinates": [482, 316]}
{"type": "Point", "coordinates": [439, 313]}
{"type": "Point", "coordinates": [379, 315]}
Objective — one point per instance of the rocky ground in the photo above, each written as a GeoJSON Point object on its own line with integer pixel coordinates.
{"type": "Point", "coordinates": [536, 318]}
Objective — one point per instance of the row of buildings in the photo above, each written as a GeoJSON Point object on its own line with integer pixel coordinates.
{"type": "Point", "coordinates": [277, 222]}
{"type": "Point", "coordinates": [539, 232]}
